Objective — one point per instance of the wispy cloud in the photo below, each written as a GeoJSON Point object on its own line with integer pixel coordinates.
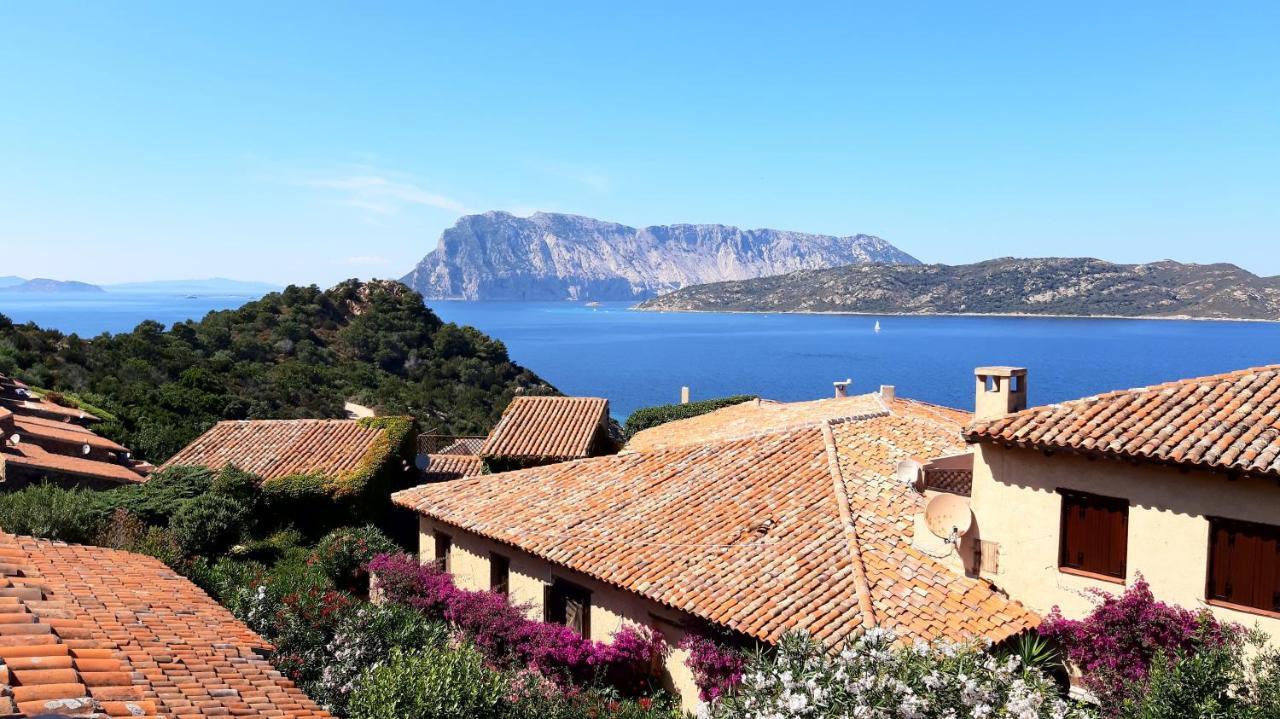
{"type": "Point", "coordinates": [384, 195]}
{"type": "Point", "coordinates": [594, 179]}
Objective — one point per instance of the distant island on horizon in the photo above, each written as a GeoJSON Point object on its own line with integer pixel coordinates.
{"type": "Point", "coordinates": [213, 285]}
{"type": "Point", "coordinates": [1057, 286]}
{"type": "Point", "coordinates": [554, 256]}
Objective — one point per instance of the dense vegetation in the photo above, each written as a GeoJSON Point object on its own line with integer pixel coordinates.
{"type": "Point", "coordinates": [430, 651]}
{"type": "Point", "coordinates": [298, 353]}
{"type": "Point", "coordinates": [1048, 286]}
{"type": "Point", "coordinates": [647, 417]}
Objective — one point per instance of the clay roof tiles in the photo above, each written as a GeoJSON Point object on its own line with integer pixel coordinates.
{"type": "Point", "coordinates": [755, 533]}
{"type": "Point", "coordinates": [275, 448]}
{"type": "Point", "coordinates": [35, 457]}
{"type": "Point", "coordinates": [441, 467]}
{"type": "Point", "coordinates": [1224, 422]}
{"type": "Point", "coordinates": [547, 428]}
{"type": "Point", "coordinates": [89, 631]}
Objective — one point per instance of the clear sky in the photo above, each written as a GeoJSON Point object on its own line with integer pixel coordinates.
{"type": "Point", "coordinates": [307, 142]}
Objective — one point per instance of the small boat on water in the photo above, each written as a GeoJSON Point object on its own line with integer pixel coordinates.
{"type": "Point", "coordinates": [877, 325]}
{"type": "Point", "coordinates": [593, 304]}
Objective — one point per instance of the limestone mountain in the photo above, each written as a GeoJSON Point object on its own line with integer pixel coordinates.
{"type": "Point", "coordinates": [498, 256]}
{"type": "Point", "coordinates": [1046, 286]}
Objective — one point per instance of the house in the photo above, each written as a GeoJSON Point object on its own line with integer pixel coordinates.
{"type": "Point", "coordinates": [277, 448]}
{"type": "Point", "coordinates": [1177, 481]}
{"type": "Point", "coordinates": [541, 430]}
{"type": "Point", "coordinates": [41, 441]}
{"type": "Point", "coordinates": [90, 631]}
{"type": "Point", "coordinates": [756, 532]}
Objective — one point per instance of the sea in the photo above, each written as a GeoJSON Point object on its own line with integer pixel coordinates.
{"type": "Point", "coordinates": [637, 359]}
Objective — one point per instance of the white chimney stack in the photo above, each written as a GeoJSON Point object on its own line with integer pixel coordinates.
{"type": "Point", "coordinates": [842, 388]}
{"type": "Point", "coordinates": [999, 391]}
{"type": "Point", "coordinates": [888, 392]}
{"type": "Point", "coordinates": [684, 395]}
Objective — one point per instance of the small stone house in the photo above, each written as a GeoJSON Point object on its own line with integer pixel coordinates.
{"type": "Point", "coordinates": [1178, 482]}
{"type": "Point", "coordinates": [755, 528]}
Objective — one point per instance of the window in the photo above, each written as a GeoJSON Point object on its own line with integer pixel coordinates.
{"type": "Point", "coordinates": [499, 573]}
{"type": "Point", "coordinates": [570, 605]}
{"type": "Point", "coordinates": [1244, 564]}
{"type": "Point", "coordinates": [1094, 536]}
{"type": "Point", "coordinates": [444, 548]}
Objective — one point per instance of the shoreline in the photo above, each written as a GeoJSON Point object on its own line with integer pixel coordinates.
{"type": "Point", "coordinates": [1016, 315]}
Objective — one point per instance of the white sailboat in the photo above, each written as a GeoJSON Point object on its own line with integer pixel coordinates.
{"type": "Point", "coordinates": [877, 325]}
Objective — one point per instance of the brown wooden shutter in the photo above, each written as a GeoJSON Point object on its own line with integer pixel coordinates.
{"type": "Point", "coordinates": [1244, 564]}
{"type": "Point", "coordinates": [1094, 534]}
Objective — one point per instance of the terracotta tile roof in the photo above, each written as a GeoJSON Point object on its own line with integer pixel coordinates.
{"type": "Point", "coordinates": [33, 456]}
{"type": "Point", "coordinates": [36, 427]}
{"type": "Point", "coordinates": [547, 428]}
{"type": "Point", "coordinates": [275, 448]}
{"type": "Point", "coordinates": [441, 467]}
{"type": "Point", "coordinates": [1225, 422]}
{"type": "Point", "coordinates": [752, 417]}
{"type": "Point", "coordinates": [797, 529]}
{"type": "Point", "coordinates": [88, 631]}
{"type": "Point", "coordinates": [46, 407]}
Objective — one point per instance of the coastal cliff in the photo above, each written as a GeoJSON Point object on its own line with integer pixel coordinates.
{"type": "Point", "coordinates": [1071, 286]}
{"type": "Point", "coordinates": [498, 256]}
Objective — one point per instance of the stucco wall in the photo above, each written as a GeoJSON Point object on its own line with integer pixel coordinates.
{"type": "Point", "coordinates": [1015, 504]}
{"type": "Point", "coordinates": [529, 575]}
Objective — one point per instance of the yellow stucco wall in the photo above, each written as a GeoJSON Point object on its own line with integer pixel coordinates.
{"type": "Point", "coordinates": [1015, 504]}
{"type": "Point", "coordinates": [529, 575]}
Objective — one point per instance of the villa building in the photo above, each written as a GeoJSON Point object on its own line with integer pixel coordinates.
{"type": "Point", "coordinates": [42, 441]}
{"type": "Point", "coordinates": [758, 519]}
{"type": "Point", "coordinates": [1178, 482]}
{"type": "Point", "coordinates": [95, 632]}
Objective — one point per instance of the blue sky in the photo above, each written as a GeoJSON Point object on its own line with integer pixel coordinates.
{"type": "Point", "coordinates": [309, 141]}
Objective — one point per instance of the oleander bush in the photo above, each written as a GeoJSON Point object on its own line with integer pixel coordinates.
{"type": "Point", "coordinates": [344, 555]}
{"type": "Point", "coordinates": [209, 524]}
{"type": "Point", "coordinates": [49, 511]}
{"type": "Point", "coordinates": [647, 417]}
{"type": "Point", "coordinates": [432, 683]}
{"type": "Point", "coordinates": [876, 676]}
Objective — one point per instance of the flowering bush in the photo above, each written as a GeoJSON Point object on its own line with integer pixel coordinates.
{"type": "Point", "coordinates": [507, 636]}
{"type": "Point", "coordinates": [717, 669]}
{"type": "Point", "coordinates": [345, 553]}
{"type": "Point", "coordinates": [364, 640]}
{"type": "Point", "coordinates": [875, 676]}
{"type": "Point", "coordinates": [1114, 647]}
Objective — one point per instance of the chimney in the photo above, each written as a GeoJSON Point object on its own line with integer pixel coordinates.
{"type": "Point", "coordinates": [1000, 391]}
{"type": "Point", "coordinates": [888, 392]}
{"type": "Point", "coordinates": [684, 395]}
{"type": "Point", "coordinates": [842, 388]}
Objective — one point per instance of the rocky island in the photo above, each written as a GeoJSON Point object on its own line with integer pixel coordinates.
{"type": "Point", "coordinates": [1067, 286]}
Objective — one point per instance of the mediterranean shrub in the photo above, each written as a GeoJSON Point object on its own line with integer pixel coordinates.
{"type": "Point", "coordinates": [51, 512]}
{"type": "Point", "coordinates": [433, 683]}
{"type": "Point", "coordinates": [209, 524]}
{"type": "Point", "coordinates": [875, 676]}
{"type": "Point", "coordinates": [717, 668]}
{"type": "Point", "coordinates": [364, 639]}
{"type": "Point", "coordinates": [344, 554]}
{"type": "Point", "coordinates": [1115, 646]}
{"type": "Point", "coordinates": [647, 417]}
{"type": "Point", "coordinates": [508, 637]}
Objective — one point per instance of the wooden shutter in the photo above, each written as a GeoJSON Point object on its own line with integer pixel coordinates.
{"type": "Point", "coordinates": [1094, 534]}
{"type": "Point", "coordinates": [499, 573]}
{"type": "Point", "coordinates": [444, 550]}
{"type": "Point", "coordinates": [1244, 564]}
{"type": "Point", "coordinates": [570, 605]}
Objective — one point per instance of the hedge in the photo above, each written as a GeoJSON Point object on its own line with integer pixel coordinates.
{"type": "Point", "coordinates": [647, 417]}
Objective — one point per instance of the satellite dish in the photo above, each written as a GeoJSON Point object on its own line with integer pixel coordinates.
{"type": "Point", "coordinates": [84, 449]}
{"type": "Point", "coordinates": [948, 516]}
{"type": "Point", "coordinates": [909, 472]}
{"type": "Point", "coordinates": [421, 462]}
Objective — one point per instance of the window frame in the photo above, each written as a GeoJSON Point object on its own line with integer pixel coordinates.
{"type": "Point", "coordinates": [1075, 500]}
{"type": "Point", "coordinates": [556, 598]}
{"type": "Point", "coordinates": [1216, 523]}
{"type": "Point", "coordinates": [502, 561]}
{"type": "Point", "coordinates": [443, 551]}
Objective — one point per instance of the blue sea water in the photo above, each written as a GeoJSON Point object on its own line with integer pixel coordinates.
{"type": "Point", "coordinates": [641, 358]}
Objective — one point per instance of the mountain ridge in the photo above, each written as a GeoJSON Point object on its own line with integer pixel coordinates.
{"type": "Point", "coordinates": [44, 284]}
{"type": "Point", "coordinates": [555, 256]}
{"type": "Point", "coordinates": [1051, 286]}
